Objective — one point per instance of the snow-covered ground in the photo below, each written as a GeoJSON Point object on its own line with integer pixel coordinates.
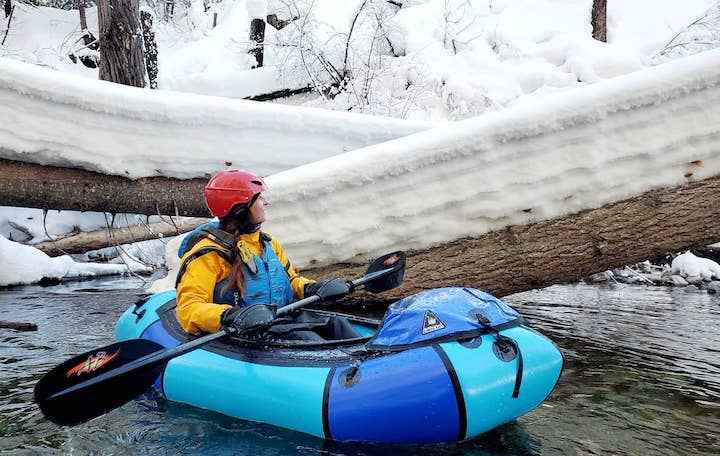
{"type": "Point", "coordinates": [431, 59]}
{"type": "Point", "coordinates": [569, 132]}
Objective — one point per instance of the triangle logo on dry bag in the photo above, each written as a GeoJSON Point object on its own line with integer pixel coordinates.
{"type": "Point", "coordinates": [431, 323]}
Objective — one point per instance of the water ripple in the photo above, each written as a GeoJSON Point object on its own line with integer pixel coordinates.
{"type": "Point", "coordinates": [641, 376]}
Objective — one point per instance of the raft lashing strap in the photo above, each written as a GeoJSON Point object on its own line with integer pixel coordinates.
{"type": "Point", "coordinates": [502, 342]}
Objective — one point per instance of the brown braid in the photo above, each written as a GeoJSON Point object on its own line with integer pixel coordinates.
{"type": "Point", "coordinates": [235, 223]}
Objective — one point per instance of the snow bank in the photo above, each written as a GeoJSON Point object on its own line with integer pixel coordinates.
{"type": "Point", "coordinates": [22, 264]}
{"type": "Point", "coordinates": [689, 265]}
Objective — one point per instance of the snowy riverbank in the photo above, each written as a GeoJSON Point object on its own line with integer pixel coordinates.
{"type": "Point", "coordinates": [685, 269]}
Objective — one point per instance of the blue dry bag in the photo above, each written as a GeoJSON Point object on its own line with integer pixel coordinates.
{"type": "Point", "coordinates": [440, 315]}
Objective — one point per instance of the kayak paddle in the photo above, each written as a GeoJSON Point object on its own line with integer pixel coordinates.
{"type": "Point", "coordinates": [92, 384]}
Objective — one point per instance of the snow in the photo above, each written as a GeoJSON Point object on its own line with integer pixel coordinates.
{"type": "Point", "coordinates": [33, 225]}
{"type": "Point", "coordinates": [555, 121]}
{"type": "Point", "coordinates": [689, 265]}
{"type": "Point", "coordinates": [51, 119]}
{"type": "Point", "coordinates": [23, 264]}
{"type": "Point", "coordinates": [441, 60]}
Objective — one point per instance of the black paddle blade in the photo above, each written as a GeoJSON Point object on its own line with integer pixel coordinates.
{"type": "Point", "coordinates": [68, 408]}
{"type": "Point", "coordinates": [394, 261]}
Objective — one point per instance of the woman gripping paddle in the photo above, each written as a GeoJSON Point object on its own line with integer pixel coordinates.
{"type": "Point", "coordinates": [230, 270]}
{"type": "Point", "coordinates": [95, 382]}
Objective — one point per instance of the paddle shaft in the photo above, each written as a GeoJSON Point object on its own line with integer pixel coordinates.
{"type": "Point", "coordinates": [356, 283]}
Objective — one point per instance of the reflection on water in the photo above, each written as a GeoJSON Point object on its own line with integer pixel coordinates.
{"type": "Point", "coordinates": [642, 376]}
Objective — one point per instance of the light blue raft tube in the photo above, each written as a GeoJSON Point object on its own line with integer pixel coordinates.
{"type": "Point", "coordinates": [444, 365]}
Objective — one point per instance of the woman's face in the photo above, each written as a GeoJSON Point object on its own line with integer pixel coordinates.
{"type": "Point", "coordinates": [257, 210]}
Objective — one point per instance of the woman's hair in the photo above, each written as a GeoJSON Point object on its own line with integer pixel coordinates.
{"type": "Point", "coordinates": [237, 223]}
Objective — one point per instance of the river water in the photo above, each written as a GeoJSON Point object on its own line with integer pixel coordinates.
{"type": "Point", "coordinates": [641, 377]}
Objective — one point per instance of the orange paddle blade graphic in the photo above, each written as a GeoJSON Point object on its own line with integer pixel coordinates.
{"type": "Point", "coordinates": [93, 363]}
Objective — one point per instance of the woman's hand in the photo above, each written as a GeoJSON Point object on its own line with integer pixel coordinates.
{"type": "Point", "coordinates": [248, 319]}
{"type": "Point", "coordinates": [328, 290]}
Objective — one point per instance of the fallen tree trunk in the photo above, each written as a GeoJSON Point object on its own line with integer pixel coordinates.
{"type": "Point", "coordinates": [506, 261]}
{"type": "Point", "coordinates": [30, 185]}
{"type": "Point", "coordinates": [565, 249]}
{"type": "Point", "coordinates": [99, 239]}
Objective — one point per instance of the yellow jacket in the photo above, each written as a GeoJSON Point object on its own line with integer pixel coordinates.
{"type": "Point", "coordinates": [196, 310]}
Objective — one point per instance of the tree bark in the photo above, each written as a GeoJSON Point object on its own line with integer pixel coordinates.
{"type": "Point", "coordinates": [566, 249]}
{"type": "Point", "coordinates": [99, 239]}
{"type": "Point", "coordinates": [151, 50]}
{"type": "Point", "coordinates": [257, 37]}
{"type": "Point", "coordinates": [599, 20]}
{"type": "Point", "coordinates": [87, 37]}
{"type": "Point", "coordinates": [121, 45]}
{"type": "Point", "coordinates": [257, 12]}
{"type": "Point", "coordinates": [29, 185]}
{"type": "Point", "coordinates": [169, 9]}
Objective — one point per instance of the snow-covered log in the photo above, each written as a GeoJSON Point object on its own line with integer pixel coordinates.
{"type": "Point", "coordinates": [580, 150]}
{"type": "Point", "coordinates": [100, 239]}
{"type": "Point", "coordinates": [51, 119]}
{"type": "Point", "coordinates": [564, 249]}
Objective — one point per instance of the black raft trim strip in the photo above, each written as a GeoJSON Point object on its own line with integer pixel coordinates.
{"type": "Point", "coordinates": [326, 403]}
{"type": "Point", "coordinates": [459, 397]}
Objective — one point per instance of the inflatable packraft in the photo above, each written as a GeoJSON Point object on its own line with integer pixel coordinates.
{"type": "Point", "coordinates": [443, 365]}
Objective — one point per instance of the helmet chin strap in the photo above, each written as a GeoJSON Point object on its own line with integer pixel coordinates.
{"type": "Point", "coordinates": [252, 228]}
{"type": "Point", "coordinates": [246, 227]}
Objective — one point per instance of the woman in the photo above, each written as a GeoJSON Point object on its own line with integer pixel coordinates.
{"type": "Point", "coordinates": [231, 271]}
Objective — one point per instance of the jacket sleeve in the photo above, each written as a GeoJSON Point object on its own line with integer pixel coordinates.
{"type": "Point", "coordinates": [297, 282]}
{"type": "Point", "coordinates": [195, 308]}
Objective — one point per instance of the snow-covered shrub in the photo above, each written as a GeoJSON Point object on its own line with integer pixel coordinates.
{"type": "Point", "coordinates": [701, 35]}
{"type": "Point", "coordinates": [339, 50]}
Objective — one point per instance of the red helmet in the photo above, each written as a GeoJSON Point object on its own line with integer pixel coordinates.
{"type": "Point", "coordinates": [228, 188]}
